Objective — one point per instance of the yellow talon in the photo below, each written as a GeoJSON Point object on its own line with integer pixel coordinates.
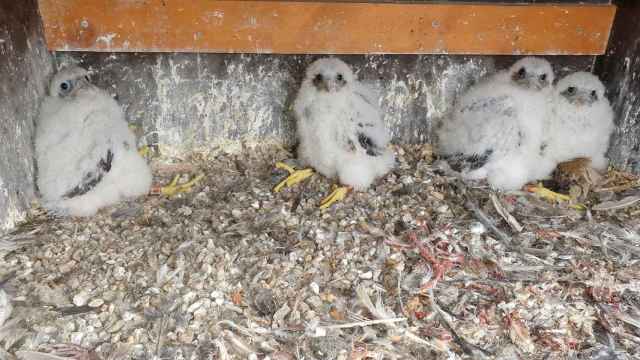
{"type": "Point", "coordinates": [143, 151]}
{"type": "Point", "coordinates": [338, 194]}
{"type": "Point", "coordinates": [295, 176]}
{"type": "Point", "coordinates": [548, 194]}
{"type": "Point", "coordinates": [173, 187]}
{"type": "Point", "coordinates": [553, 196]}
{"type": "Point", "coordinates": [578, 207]}
{"type": "Point", "coordinates": [281, 165]}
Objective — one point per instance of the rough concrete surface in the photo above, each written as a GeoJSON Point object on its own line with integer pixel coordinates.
{"type": "Point", "coordinates": [25, 66]}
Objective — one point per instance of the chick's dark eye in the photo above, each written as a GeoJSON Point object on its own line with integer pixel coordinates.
{"type": "Point", "coordinates": [87, 78]}
{"type": "Point", "coordinates": [571, 90]}
{"type": "Point", "coordinates": [543, 77]}
{"type": "Point", "coordinates": [594, 94]}
{"type": "Point", "coordinates": [522, 72]}
{"type": "Point", "coordinates": [318, 77]}
{"type": "Point", "coordinates": [65, 85]}
{"type": "Point", "coordinates": [340, 77]}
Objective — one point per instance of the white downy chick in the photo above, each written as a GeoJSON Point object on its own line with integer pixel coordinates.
{"type": "Point", "coordinates": [496, 128]}
{"type": "Point", "coordinates": [86, 155]}
{"type": "Point", "coordinates": [582, 121]}
{"type": "Point", "coordinates": [339, 126]}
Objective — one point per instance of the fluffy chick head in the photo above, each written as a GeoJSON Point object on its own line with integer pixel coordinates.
{"type": "Point", "coordinates": [69, 81]}
{"type": "Point", "coordinates": [532, 73]}
{"type": "Point", "coordinates": [581, 89]}
{"type": "Point", "coordinates": [329, 75]}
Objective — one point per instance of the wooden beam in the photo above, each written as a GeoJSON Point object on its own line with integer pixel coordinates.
{"type": "Point", "coordinates": [287, 27]}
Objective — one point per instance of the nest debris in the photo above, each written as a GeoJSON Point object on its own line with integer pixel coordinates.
{"type": "Point", "coordinates": [421, 266]}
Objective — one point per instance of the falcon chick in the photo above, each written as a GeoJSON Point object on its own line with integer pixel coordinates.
{"type": "Point", "coordinates": [582, 121]}
{"type": "Point", "coordinates": [496, 128]}
{"type": "Point", "coordinates": [86, 154]}
{"type": "Point", "coordinates": [340, 130]}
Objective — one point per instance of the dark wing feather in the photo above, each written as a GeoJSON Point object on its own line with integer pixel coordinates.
{"type": "Point", "coordinates": [364, 121]}
{"type": "Point", "coordinates": [460, 162]}
{"type": "Point", "coordinates": [368, 145]}
{"type": "Point", "coordinates": [92, 178]}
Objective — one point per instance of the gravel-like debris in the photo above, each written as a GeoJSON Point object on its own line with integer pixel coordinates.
{"type": "Point", "coordinates": [421, 266]}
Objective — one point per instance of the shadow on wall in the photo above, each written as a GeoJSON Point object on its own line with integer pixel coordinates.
{"type": "Point", "coordinates": [25, 68]}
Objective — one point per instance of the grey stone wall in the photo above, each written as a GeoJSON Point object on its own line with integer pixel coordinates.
{"type": "Point", "coordinates": [190, 101]}
{"type": "Point", "coordinates": [620, 71]}
{"type": "Point", "coordinates": [25, 67]}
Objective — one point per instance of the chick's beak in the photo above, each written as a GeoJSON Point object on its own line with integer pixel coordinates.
{"type": "Point", "coordinates": [583, 98]}
{"type": "Point", "coordinates": [320, 84]}
{"type": "Point", "coordinates": [332, 86]}
{"type": "Point", "coordinates": [541, 84]}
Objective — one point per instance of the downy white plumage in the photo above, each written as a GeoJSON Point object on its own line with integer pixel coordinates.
{"type": "Point", "coordinates": [582, 121]}
{"type": "Point", "coordinates": [339, 126]}
{"type": "Point", "coordinates": [86, 154]}
{"type": "Point", "coordinates": [496, 128]}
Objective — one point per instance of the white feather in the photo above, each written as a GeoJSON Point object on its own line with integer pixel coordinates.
{"type": "Point", "coordinates": [580, 127]}
{"type": "Point", "coordinates": [331, 123]}
{"type": "Point", "coordinates": [5, 307]}
{"type": "Point", "coordinates": [502, 120]}
{"type": "Point", "coordinates": [73, 134]}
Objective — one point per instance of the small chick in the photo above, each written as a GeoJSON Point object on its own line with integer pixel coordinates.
{"type": "Point", "coordinates": [496, 128]}
{"type": "Point", "coordinates": [340, 129]}
{"type": "Point", "coordinates": [582, 121]}
{"type": "Point", "coordinates": [86, 154]}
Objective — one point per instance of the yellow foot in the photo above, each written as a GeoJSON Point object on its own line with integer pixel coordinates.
{"type": "Point", "coordinates": [143, 151]}
{"type": "Point", "coordinates": [175, 188]}
{"type": "Point", "coordinates": [552, 195]}
{"type": "Point", "coordinates": [338, 193]}
{"type": "Point", "coordinates": [295, 176]}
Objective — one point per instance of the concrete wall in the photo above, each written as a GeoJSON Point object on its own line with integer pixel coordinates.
{"type": "Point", "coordinates": [620, 70]}
{"type": "Point", "coordinates": [25, 66]}
{"type": "Point", "coordinates": [189, 101]}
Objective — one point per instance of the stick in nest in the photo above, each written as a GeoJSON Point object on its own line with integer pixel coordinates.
{"type": "Point", "coordinates": [489, 223]}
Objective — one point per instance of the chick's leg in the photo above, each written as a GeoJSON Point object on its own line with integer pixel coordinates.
{"type": "Point", "coordinates": [144, 151]}
{"type": "Point", "coordinates": [552, 196]}
{"type": "Point", "coordinates": [295, 176]}
{"type": "Point", "coordinates": [338, 193]}
{"type": "Point", "coordinates": [174, 188]}
{"type": "Point", "coordinates": [547, 194]}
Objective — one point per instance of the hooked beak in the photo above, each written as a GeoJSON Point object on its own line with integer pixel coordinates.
{"type": "Point", "coordinates": [333, 86]}
{"type": "Point", "coordinates": [320, 85]}
{"type": "Point", "coordinates": [530, 82]}
{"type": "Point", "coordinates": [584, 98]}
{"type": "Point", "coordinates": [539, 85]}
{"type": "Point", "coordinates": [581, 100]}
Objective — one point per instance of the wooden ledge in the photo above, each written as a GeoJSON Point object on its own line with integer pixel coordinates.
{"type": "Point", "coordinates": [286, 27]}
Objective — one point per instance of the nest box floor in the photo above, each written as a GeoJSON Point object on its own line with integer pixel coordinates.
{"type": "Point", "coordinates": [411, 269]}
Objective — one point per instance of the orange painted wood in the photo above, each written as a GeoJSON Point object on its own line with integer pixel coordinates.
{"type": "Point", "coordinates": [324, 27]}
